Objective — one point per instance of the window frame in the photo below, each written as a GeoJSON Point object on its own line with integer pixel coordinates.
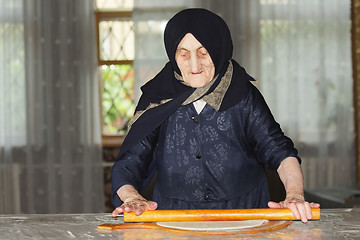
{"type": "Point", "coordinates": [126, 15]}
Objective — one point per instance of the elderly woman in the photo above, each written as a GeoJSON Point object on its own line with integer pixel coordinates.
{"type": "Point", "coordinates": [206, 131]}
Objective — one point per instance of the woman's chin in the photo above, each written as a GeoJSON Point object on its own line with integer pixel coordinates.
{"type": "Point", "coordinates": [197, 83]}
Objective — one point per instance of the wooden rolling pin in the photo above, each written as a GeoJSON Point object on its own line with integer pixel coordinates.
{"type": "Point", "coordinates": [215, 215]}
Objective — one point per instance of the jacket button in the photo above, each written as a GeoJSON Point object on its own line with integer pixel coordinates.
{"type": "Point", "coordinates": [198, 156]}
{"type": "Point", "coordinates": [206, 197]}
{"type": "Point", "coordinates": [195, 118]}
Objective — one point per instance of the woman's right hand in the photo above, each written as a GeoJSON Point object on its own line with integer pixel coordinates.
{"type": "Point", "coordinates": [137, 205]}
{"type": "Point", "coordinates": [132, 201]}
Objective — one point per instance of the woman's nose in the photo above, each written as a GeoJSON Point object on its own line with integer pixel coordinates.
{"type": "Point", "coordinates": [195, 65]}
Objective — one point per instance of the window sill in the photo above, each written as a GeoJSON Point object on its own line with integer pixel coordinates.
{"type": "Point", "coordinates": [112, 140]}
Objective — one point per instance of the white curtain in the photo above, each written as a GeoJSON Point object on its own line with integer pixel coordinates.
{"type": "Point", "coordinates": [300, 53]}
{"type": "Point", "coordinates": [304, 62]}
{"type": "Point", "coordinates": [50, 141]}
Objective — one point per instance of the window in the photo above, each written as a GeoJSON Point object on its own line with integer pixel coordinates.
{"type": "Point", "coordinates": [116, 53]}
{"type": "Point", "coordinates": [12, 78]}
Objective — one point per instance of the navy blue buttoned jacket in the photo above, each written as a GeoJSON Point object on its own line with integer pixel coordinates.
{"type": "Point", "coordinates": [215, 159]}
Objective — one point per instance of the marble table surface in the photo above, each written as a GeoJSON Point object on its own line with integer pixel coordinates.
{"type": "Point", "coordinates": [334, 224]}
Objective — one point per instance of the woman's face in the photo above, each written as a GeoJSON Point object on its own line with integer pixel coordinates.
{"type": "Point", "coordinates": [194, 62]}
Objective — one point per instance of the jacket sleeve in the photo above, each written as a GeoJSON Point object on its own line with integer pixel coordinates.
{"type": "Point", "coordinates": [133, 166]}
{"type": "Point", "coordinates": [264, 134]}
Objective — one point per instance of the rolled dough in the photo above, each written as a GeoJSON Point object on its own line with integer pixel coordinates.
{"type": "Point", "coordinates": [212, 225]}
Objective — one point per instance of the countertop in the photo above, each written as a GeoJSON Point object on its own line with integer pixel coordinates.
{"type": "Point", "coordinates": [334, 224]}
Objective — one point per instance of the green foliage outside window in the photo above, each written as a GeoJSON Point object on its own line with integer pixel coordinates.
{"type": "Point", "coordinates": [118, 93]}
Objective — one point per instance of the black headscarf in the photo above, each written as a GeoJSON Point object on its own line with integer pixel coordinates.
{"type": "Point", "coordinates": [208, 28]}
{"type": "Point", "coordinates": [213, 33]}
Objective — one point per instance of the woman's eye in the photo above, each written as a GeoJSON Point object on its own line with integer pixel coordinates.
{"type": "Point", "coordinates": [203, 52]}
{"type": "Point", "coordinates": [184, 54]}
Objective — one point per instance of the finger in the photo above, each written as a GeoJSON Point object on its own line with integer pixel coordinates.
{"type": "Point", "coordinates": [152, 205]}
{"type": "Point", "coordinates": [294, 210]}
{"type": "Point", "coordinates": [114, 213]}
{"type": "Point", "coordinates": [302, 211]}
{"type": "Point", "coordinates": [314, 205]}
{"type": "Point", "coordinates": [309, 214]}
{"type": "Point", "coordinates": [129, 208]}
{"type": "Point", "coordinates": [139, 211]}
{"type": "Point", "coordinates": [141, 207]}
{"type": "Point", "coordinates": [145, 206]}
{"type": "Point", "coordinates": [117, 211]}
{"type": "Point", "coordinates": [272, 204]}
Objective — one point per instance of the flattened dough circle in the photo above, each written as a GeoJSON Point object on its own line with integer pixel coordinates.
{"type": "Point", "coordinates": [212, 225]}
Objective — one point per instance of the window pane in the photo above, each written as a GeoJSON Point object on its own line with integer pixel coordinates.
{"type": "Point", "coordinates": [114, 4]}
{"type": "Point", "coordinates": [116, 40]}
{"type": "Point", "coordinates": [12, 80]}
{"type": "Point", "coordinates": [118, 95]}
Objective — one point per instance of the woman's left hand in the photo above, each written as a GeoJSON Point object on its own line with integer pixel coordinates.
{"type": "Point", "coordinates": [291, 176]}
{"type": "Point", "coordinates": [298, 206]}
